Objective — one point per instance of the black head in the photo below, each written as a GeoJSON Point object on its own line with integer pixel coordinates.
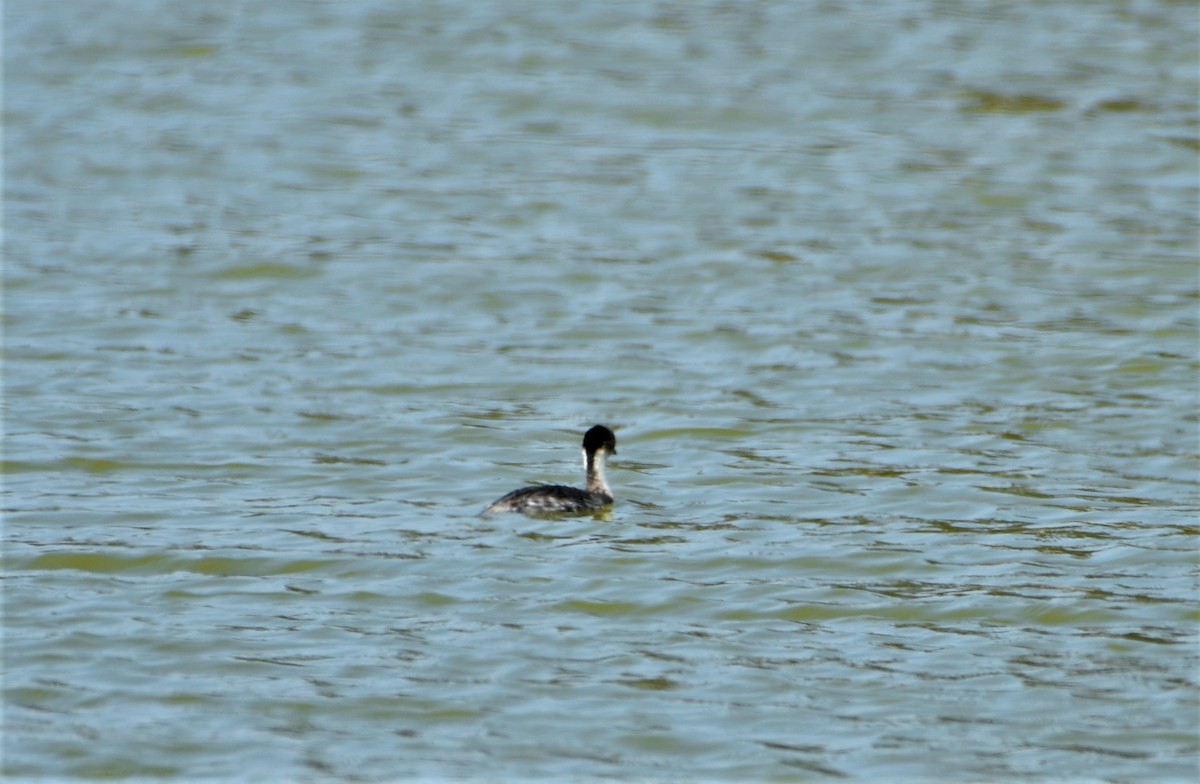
{"type": "Point", "coordinates": [599, 437]}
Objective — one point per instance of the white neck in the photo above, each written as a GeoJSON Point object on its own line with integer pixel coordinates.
{"type": "Point", "coordinates": [594, 466]}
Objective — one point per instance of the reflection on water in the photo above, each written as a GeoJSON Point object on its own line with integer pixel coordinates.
{"type": "Point", "coordinates": [893, 309]}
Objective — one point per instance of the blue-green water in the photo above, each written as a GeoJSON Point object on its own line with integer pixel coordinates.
{"type": "Point", "coordinates": [893, 308]}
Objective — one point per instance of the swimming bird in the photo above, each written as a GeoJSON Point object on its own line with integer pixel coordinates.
{"type": "Point", "coordinates": [598, 444]}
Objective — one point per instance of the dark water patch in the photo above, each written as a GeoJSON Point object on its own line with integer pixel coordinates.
{"type": "Point", "coordinates": [157, 564]}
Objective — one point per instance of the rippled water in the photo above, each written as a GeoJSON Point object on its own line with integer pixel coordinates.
{"type": "Point", "coordinates": [893, 308]}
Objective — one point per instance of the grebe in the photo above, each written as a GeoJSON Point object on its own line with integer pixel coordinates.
{"type": "Point", "coordinates": [598, 443]}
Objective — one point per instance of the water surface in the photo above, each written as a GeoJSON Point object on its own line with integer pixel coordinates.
{"type": "Point", "coordinates": [892, 306]}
